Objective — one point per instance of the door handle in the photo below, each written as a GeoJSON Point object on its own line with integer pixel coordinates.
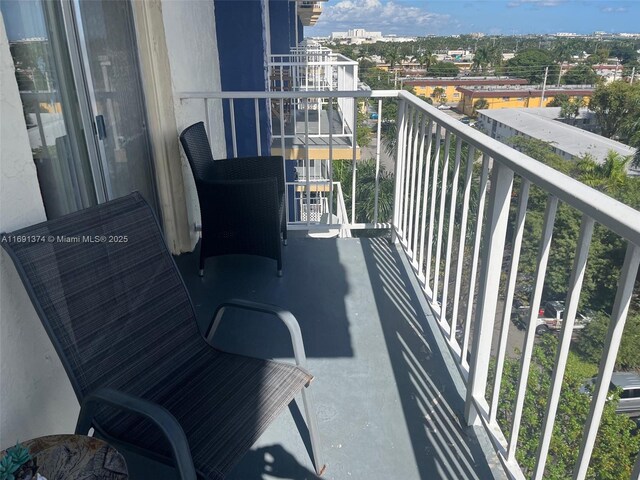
{"type": "Point", "coordinates": [100, 127]}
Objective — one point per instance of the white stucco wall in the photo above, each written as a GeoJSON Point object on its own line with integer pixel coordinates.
{"type": "Point", "coordinates": [190, 30]}
{"type": "Point", "coordinates": [36, 397]}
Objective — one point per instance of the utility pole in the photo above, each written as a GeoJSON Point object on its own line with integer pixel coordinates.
{"type": "Point", "coordinates": [560, 74]}
{"type": "Point", "coordinates": [615, 73]}
{"type": "Point", "coordinates": [633, 74]}
{"type": "Point", "coordinates": [544, 85]}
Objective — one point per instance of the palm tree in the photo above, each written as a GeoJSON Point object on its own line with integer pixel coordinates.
{"type": "Point", "coordinates": [480, 104]}
{"type": "Point", "coordinates": [425, 58]}
{"type": "Point", "coordinates": [481, 58]}
{"type": "Point", "coordinates": [392, 56]}
{"type": "Point", "coordinates": [604, 176]}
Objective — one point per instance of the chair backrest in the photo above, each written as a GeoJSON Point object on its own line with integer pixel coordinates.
{"type": "Point", "coordinates": [109, 295]}
{"type": "Point", "coordinates": [196, 145]}
{"type": "Point", "coordinates": [195, 142]}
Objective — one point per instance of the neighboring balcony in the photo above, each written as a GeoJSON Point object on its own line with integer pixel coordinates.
{"type": "Point", "coordinates": [409, 325]}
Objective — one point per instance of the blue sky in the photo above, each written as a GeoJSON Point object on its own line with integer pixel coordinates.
{"type": "Point", "coordinates": [423, 17]}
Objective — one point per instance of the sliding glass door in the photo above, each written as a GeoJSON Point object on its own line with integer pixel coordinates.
{"type": "Point", "coordinates": [107, 39]}
{"type": "Point", "coordinates": [79, 80]}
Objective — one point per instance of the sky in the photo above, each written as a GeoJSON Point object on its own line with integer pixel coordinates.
{"type": "Point", "coordinates": [497, 17]}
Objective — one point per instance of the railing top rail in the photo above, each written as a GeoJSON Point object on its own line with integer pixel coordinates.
{"type": "Point", "coordinates": [290, 94]}
{"type": "Point", "coordinates": [615, 215]}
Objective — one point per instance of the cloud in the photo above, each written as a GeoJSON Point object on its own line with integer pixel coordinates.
{"type": "Point", "coordinates": [536, 3]}
{"type": "Point", "coordinates": [380, 15]}
{"type": "Point", "coordinates": [614, 9]}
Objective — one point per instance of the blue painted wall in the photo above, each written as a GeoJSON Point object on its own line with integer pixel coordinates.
{"type": "Point", "coordinates": [282, 14]}
{"type": "Point", "coordinates": [241, 49]}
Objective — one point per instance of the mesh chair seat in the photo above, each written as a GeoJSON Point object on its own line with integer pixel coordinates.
{"type": "Point", "coordinates": [118, 313]}
{"type": "Point", "coordinates": [223, 402]}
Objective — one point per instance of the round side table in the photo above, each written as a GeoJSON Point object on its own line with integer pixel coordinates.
{"type": "Point", "coordinates": [76, 457]}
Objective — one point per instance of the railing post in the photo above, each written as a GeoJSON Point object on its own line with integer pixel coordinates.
{"type": "Point", "coordinates": [398, 168]}
{"type": "Point", "coordinates": [494, 234]}
{"type": "Point", "coordinates": [626, 282]}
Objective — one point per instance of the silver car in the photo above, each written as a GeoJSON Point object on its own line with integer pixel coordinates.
{"type": "Point", "coordinates": [629, 383]}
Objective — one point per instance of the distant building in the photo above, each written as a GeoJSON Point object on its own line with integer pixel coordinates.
{"type": "Point", "coordinates": [570, 142]}
{"type": "Point", "coordinates": [425, 87]}
{"type": "Point", "coordinates": [499, 97]}
{"type": "Point", "coordinates": [358, 36]}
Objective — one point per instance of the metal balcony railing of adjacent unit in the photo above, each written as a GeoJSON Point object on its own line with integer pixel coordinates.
{"type": "Point", "coordinates": [454, 188]}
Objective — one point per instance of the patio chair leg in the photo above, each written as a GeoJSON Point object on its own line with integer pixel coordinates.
{"type": "Point", "coordinates": [201, 273]}
{"type": "Point", "coordinates": [279, 267]}
{"type": "Point", "coordinates": [310, 415]}
{"type": "Point", "coordinates": [284, 238]}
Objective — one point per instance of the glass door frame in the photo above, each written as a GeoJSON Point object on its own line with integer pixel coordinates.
{"type": "Point", "coordinates": [77, 66]}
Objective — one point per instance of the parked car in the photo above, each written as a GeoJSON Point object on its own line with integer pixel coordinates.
{"type": "Point", "coordinates": [551, 315]}
{"type": "Point", "coordinates": [444, 107]}
{"type": "Point", "coordinates": [629, 384]}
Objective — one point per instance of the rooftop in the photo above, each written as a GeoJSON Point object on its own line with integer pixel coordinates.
{"type": "Point", "coordinates": [466, 81]}
{"type": "Point", "coordinates": [525, 91]}
{"type": "Point", "coordinates": [568, 138]}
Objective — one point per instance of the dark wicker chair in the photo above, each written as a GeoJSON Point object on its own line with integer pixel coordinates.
{"type": "Point", "coordinates": [242, 201]}
{"type": "Point", "coordinates": [118, 313]}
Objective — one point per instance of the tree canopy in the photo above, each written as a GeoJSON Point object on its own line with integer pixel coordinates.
{"type": "Point", "coordinates": [616, 442]}
{"type": "Point", "coordinates": [531, 64]}
{"type": "Point", "coordinates": [580, 75]}
{"type": "Point", "coordinates": [444, 69]}
{"type": "Point", "coordinates": [617, 109]}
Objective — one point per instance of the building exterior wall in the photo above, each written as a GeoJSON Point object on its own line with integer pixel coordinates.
{"type": "Point", "coordinates": [241, 35]}
{"type": "Point", "coordinates": [509, 101]}
{"type": "Point", "coordinates": [36, 397]}
{"type": "Point", "coordinates": [192, 45]}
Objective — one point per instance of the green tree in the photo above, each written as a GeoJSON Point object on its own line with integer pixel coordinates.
{"type": "Point", "coordinates": [393, 57]}
{"type": "Point", "coordinates": [559, 100]}
{"type": "Point", "coordinates": [600, 55]}
{"type": "Point", "coordinates": [580, 75]}
{"type": "Point", "coordinates": [617, 107]}
{"type": "Point", "coordinates": [531, 64]}
{"type": "Point", "coordinates": [480, 104]}
{"type": "Point", "coordinates": [571, 108]}
{"type": "Point", "coordinates": [425, 58]}
{"type": "Point", "coordinates": [591, 342]}
{"type": "Point", "coordinates": [438, 94]}
{"type": "Point", "coordinates": [365, 189]}
{"type": "Point", "coordinates": [485, 57]}
{"type": "Point", "coordinates": [363, 131]}
{"type": "Point", "coordinates": [444, 69]}
{"type": "Point", "coordinates": [616, 442]}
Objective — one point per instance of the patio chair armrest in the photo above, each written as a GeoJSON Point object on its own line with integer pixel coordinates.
{"type": "Point", "coordinates": [284, 315]}
{"type": "Point", "coordinates": [157, 414]}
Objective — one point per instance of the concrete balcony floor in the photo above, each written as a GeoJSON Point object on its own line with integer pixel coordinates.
{"type": "Point", "coordinates": [388, 397]}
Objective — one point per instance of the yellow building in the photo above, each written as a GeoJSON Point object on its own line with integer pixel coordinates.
{"type": "Point", "coordinates": [445, 90]}
{"type": "Point", "coordinates": [516, 98]}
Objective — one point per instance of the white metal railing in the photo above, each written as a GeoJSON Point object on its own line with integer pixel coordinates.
{"type": "Point", "coordinates": [434, 182]}
{"type": "Point", "coordinates": [310, 67]}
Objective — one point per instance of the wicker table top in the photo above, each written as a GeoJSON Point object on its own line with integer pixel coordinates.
{"type": "Point", "coordinates": [67, 457]}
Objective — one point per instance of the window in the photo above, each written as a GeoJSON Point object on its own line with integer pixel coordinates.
{"type": "Point", "coordinates": [506, 99]}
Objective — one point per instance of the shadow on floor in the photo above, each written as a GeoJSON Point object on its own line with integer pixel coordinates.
{"type": "Point", "coordinates": [444, 447]}
{"type": "Point", "coordinates": [312, 292]}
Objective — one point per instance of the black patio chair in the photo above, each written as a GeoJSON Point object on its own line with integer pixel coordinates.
{"type": "Point", "coordinates": [119, 315]}
{"type": "Point", "coordinates": [242, 201]}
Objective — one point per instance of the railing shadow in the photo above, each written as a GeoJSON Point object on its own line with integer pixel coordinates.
{"type": "Point", "coordinates": [443, 446]}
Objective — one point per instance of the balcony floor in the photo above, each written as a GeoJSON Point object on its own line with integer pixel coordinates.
{"type": "Point", "coordinates": [387, 394]}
